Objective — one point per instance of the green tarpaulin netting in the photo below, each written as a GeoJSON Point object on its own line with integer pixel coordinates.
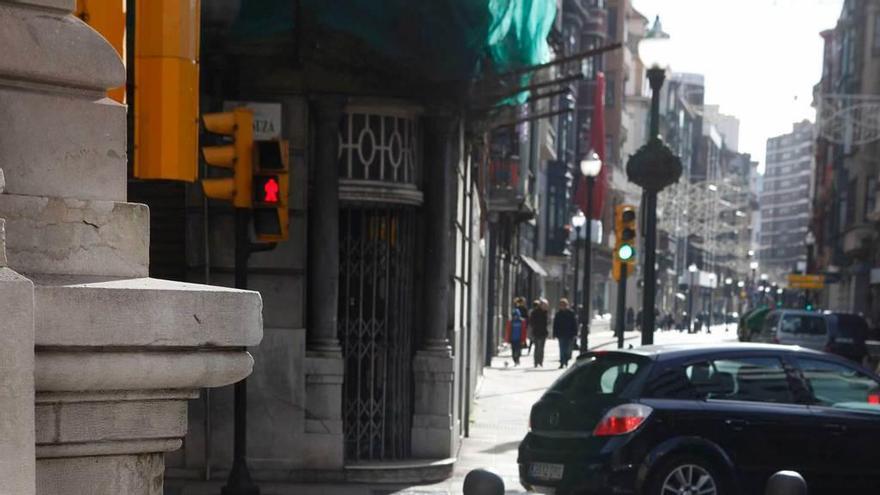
{"type": "Point", "coordinates": [444, 39]}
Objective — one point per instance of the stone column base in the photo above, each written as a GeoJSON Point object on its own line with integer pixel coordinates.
{"type": "Point", "coordinates": [324, 446]}
{"type": "Point", "coordinates": [433, 430]}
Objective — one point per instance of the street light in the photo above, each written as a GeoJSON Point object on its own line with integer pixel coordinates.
{"type": "Point", "coordinates": [590, 166]}
{"type": "Point", "coordinates": [577, 221]}
{"type": "Point", "coordinates": [692, 269]}
{"type": "Point", "coordinates": [653, 167]}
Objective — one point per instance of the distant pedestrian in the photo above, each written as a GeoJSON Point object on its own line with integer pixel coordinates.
{"type": "Point", "coordinates": [538, 330]}
{"type": "Point", "coordinates": [565, 330]}
{"type": "Point", "coordinates": [517, 328]}
{"type": "Point", "coordinates": [630, 319]}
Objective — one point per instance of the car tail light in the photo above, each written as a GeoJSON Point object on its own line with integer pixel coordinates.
{"type": "Point", "coordinates": [874, 398]}
{"type": "Point", "coordinates": [622, 419]}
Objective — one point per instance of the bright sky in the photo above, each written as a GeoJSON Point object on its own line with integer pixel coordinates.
{"type": "Point", "coordinates": [760, 58]}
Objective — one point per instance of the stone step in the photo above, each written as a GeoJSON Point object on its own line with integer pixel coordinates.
{"type": "Point", "coordinates": [143, 312]}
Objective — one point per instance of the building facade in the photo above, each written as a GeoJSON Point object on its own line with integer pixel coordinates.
{"type": "Point", "coordinates": [785, 202]}
{"type": "Point", "coordinates": [845, 211]}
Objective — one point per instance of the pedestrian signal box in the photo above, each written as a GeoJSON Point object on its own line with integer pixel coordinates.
{"type": "Point", "coordinates": [271, 189]}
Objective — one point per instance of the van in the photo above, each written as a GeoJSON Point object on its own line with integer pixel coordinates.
{"type": "Point", "coordinates": [846, 336]}
{"type": "Point", "coordinates": [795, 327]}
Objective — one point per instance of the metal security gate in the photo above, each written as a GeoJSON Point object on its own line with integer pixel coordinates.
{"type": "Point", "coordinates": [376, 271]}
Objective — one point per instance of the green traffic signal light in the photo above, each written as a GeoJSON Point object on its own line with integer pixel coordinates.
{"type": "Point", "coordinates": [625, 252]}
{"type": "Point", "coordinates": [809, 307]}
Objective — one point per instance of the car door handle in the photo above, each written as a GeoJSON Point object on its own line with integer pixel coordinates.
{"type": "Point", "coordinates": [834, 427]}
{"type": "Point", "coordinates": [736, 424]}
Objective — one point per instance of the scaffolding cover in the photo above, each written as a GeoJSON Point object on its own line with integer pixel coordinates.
{"type": "Point", "coordinates": [446, 39]}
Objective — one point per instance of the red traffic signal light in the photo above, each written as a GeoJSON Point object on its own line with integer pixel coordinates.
{"type": "Point", "coordinates": [267, 189]}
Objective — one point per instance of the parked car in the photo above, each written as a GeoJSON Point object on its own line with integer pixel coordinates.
{"type": "Point", "coordinates": [750, 323]}
{"type": "Point", "coordinates": [846, 336]}
{"type": "Point", "coordinates": [716, 419]}
{"type": "Point", "coordinates": [794, 327]}
{"type": "Point", "coordinates": [838, 333]}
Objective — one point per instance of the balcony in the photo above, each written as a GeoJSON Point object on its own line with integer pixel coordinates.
{"type": "Point", "coordinates": [509, 188]}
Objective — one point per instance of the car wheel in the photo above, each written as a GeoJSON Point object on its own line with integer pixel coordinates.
{"type": "Point", "coordinates": [685, 475]}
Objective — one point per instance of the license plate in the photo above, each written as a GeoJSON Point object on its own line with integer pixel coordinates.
{"type": "Point", "coordinates": [545, 471]}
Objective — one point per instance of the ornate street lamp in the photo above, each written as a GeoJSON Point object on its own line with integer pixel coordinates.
{"type": "Point", "coordinates": [653, 167]}
{"type": "Point", "coordinates": [590, 168]}
{"type": "Point", "coordinates": [692, 270]}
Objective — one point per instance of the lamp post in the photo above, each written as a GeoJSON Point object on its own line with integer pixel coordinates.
{"type": "Point", "coordinates": [728, 303]}
{"type": "Point", "coordinates": [578, 222]}
{"type": "Point", "coordinates": [810, 241]}
{"type": "Point", "coordinates": [653, 167]}
{"type": "Point", "coordinates": [753, 282]}
{"type": "Point", "coordinates": [590, 168]}
{"type": "Point", "coordinates": [692, 269]}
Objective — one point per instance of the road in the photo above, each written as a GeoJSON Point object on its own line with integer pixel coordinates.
{"type": "Point", "coordinates": [504, 399]}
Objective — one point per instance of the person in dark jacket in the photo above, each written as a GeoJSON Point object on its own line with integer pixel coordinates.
{"type": "Point", "coordinates": [538, 328]}
{"type": "Point", "coordinates": [565, 330]}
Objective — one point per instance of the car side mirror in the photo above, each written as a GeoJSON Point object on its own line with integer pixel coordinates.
{"type": "Point", "coordinates": [483, 482]}
{"type": "Point", "coordinates": [786, 483]}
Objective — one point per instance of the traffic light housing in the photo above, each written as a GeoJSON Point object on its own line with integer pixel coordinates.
{"type": "Point", "coordinates": [238, 156]}
{"type": "Point", "coordinates": [165, 63]}
{"type": "Point", "coordinates": [271, 188]}
{"type": "Point", "coordinates": [625, 240]}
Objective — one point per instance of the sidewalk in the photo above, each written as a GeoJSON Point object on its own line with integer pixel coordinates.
{"type": "Point", "coordinates": [505, 396]}
{"type": "Point", "coordinates": [500, 414]}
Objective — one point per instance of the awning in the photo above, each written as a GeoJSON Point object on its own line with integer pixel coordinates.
{"type": "Point", "coordinates": [533, 265]}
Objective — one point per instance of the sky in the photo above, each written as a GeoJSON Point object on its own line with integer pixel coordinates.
{"type": "Point", "coordinates": [760, 58]}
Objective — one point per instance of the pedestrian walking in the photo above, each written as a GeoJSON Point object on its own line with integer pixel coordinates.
{"type": "Point", "coordinates": [565, 330]}
{"type": "Point", "coordinates": [538, 329]}
{"type": "Point", "coordinates": [531, 329]}
{"type": "Point", "coordinates": [517, 327]}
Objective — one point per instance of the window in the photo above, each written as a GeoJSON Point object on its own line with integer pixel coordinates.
{"type": "Point", "coordinates": [876, 50]}
{"type": "Point", "coordinates": [601, 375]}
{"type": "Point", "coordinates": [610, 90]}
{"type": "Point", "coordinates": [801, 324]}
{"type": "Point", "coordinates": [757, 379]}
{"type": "Point", "coordinates": [870, 196]}
{"type": "Point", "coordinates": [851, 203]}
{"type": "Point", "coordinates": [835, 385]}
{"type": "Point", "coordinates": [612, 24]}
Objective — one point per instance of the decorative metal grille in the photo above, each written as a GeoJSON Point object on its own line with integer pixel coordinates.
{"type": "Point", "coordinates": [377, 264]}
{"type": "Point", "coordinates": [376, 146]}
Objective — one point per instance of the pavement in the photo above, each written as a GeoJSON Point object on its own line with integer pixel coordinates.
{"type": "Point", "coordinates": [504, 398]}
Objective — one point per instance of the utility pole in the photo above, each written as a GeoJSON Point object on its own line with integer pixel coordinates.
{"type": "Point", "coordinates": [621, 305]}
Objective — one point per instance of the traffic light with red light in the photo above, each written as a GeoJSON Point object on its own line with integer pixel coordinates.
{"type": "Point", "coordinates": [625, 239]}
{"type": "Point", "coordinates": [237, 155]}
{"type": "Point", "coordinates": [271, 188]}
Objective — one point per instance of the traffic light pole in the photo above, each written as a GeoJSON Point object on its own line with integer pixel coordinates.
{"type": "Point", "coordinates": [588, 255]}
{"type": "Point", "coordinates": [239, 481]}
{"type": "Point", "coordinates": [621, 305]}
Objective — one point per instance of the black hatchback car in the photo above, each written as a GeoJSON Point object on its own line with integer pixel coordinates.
{"type": "Point", "coordinates": [705, 420]}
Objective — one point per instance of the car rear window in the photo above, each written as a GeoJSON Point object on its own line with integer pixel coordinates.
{"type": "Point", "coordinates": [600, 375]}
{"type": "Point", "coordinates": [803, 324]}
